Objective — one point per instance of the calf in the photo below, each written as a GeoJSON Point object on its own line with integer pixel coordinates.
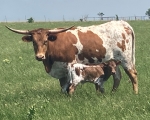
{"type": "Point", "coordinates": [96, 74]}
{"type": "Point", "coordinates": [60, 71]}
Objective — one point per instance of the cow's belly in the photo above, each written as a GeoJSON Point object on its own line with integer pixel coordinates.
{"type": "Point", "coordinates": [59, 70]}
{"type": "Point", "coordinates": [113, 53]}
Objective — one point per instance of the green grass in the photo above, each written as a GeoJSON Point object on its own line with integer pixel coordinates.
{"type": "Point", "coordinates": [27, 92]}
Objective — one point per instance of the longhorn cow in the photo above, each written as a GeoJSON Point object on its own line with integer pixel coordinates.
{"type": "Point", "coordinates": [94, 44]}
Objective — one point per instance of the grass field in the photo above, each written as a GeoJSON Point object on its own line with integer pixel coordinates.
{"type": "Point", "coordinates": [27, 92]}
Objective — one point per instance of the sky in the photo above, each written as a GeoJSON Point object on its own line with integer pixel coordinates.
{"type": "Point", "coordinates": [69, 10]}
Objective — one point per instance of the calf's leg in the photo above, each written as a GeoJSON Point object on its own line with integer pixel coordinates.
{"type": "Point", "coordinates": [99, 85]}
{"type": "Point", "coordinates": [71, 89]}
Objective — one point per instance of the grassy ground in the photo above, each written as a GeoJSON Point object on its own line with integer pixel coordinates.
{"type": "Point", "coordinates": [28, 93]}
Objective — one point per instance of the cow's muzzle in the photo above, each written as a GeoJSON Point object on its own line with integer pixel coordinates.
{"type": "Point", "coordinates": [40, 57]}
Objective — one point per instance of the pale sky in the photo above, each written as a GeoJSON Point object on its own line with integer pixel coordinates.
{"type": "Point", "coordinates": [56, 10]}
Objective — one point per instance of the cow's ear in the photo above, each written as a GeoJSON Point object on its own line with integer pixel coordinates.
{"type": "Point", "coordinates": [27, 38]}
{"type": "Point", "coordinates": [52, 37]}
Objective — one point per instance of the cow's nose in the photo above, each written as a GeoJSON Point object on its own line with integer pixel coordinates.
{"type": "Point", "coordinates": [113, 71]}
{"type": "Point", "coordinates": [40, 57]}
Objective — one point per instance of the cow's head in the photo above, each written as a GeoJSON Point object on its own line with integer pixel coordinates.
{"type": "Point", "coordinates": [40, 38]}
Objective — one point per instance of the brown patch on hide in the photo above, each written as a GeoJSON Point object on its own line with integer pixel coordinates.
{"type": "Point", "coordinates": [122, 46]}
{"type": "Point", "coordinates": [128, 30]}
{"type": "Point", "coordinates": [91, 44]}
{"type": "Point", "coordinates": [123, 35]}
{"type": "Point", "coordinates": [77, 70]}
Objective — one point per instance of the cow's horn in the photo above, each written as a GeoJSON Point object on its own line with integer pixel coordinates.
{"type": "Point", "coordinates": [60, 30]}
{"type": "Point", "coordinates": [18, 31]}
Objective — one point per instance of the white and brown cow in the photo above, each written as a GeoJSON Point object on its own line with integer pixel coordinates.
{"type": "Point", "coordinates": [96, 74]}
{"type": "Point", "coordinates": [113, 40]}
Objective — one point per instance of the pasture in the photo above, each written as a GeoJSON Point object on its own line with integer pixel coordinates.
{"type": "Point", "coordinates": [27, 92]}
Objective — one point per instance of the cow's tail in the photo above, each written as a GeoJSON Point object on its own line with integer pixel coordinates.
{"type": "Point", "coordinates": [133, 46]}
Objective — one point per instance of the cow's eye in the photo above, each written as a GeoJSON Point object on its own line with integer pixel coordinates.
{"type": "Point", "coordinates": [45, 42]}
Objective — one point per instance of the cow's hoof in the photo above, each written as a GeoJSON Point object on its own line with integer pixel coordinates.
{"type": "Point", "coordinates": [102, 90]}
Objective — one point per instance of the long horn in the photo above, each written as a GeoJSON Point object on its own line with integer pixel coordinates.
{"type": "Point", "coordinates": [59, 30]}
{"type": "Point", "coordinates": [18, 31]}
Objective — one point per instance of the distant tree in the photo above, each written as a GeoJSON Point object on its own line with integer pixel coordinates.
{"type": "Point", "coordinates": [81, 20]}
{"type": "Point", "coordinates": [30, 20]}
{"type": "Point", "coordinates": [148, 13]}
{"type": "Point", "coordinates": [101, 15]}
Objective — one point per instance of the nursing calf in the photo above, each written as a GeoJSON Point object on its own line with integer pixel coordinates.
{"type": "Point", "coordinates": [60, 71]}
{"type": "Point", "coordinates": [96, 74]}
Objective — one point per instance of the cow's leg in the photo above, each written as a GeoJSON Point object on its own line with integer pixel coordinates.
{"type": "Point", "coordinates": [116, 77]}
{"type": "Point", "coordinates": [99, 85]}
{"type": "Point", "coordinates": [64, 84]}
{"type": "Point", "coordinates": [63, 81]}
{"type": "Point", "coordinates": [102, 90]}
{"type": "Point", "coordinates": [66, 81]}
{"type": "Point", "coordinates": [132, 73]}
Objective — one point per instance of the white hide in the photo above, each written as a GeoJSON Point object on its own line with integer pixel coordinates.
{"type": "Point", "coordinates": [76, 79]}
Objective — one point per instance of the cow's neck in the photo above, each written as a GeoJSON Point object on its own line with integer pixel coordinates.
{"type": "Point", "coordinates": [62, 50]}
{"type": "Point", "coordinates": [48, 62]}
